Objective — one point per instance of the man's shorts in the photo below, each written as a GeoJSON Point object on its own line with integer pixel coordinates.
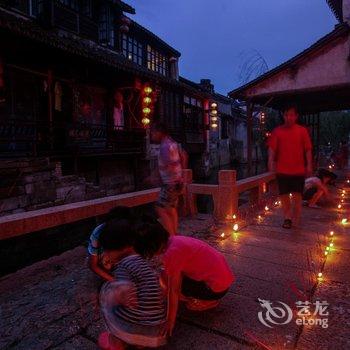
{"type": "Point", "coordinates": [169, 195]}
{"type": "Point", "coordinates": [290, 184]}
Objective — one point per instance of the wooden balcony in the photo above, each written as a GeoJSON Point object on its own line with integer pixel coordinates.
{"type": "Point", "coordinates": [23, 138]}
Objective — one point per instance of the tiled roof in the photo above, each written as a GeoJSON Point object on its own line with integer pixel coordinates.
{"type": "Point", "coordinates": [339, 30]}
{"type": "Point", "coordinates": [337, 8]}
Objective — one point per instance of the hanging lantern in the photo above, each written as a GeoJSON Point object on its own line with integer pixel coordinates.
{"type": "Point", "coordinates": [213, 115]}
{"type": "Point", "coordinates": [147, 105]}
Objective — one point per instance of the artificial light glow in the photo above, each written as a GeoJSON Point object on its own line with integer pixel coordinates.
{"type": "Point", "coordinates": [235, 227]}
{"type": "Point", "coordinates": [214, 105]}
{"type": "Point", "coordinates": [214, 126]}
{"type": "Point", "coordinates": [147, 90]}
{"type": "Point", "coordinates": [320, 276]}
{"type": "Point", "coordinates": [331, 233]}
{"type": "Point", "coordinates": [147, 100]}
{"type": "Point", "coordinates": [326, 253]}
{"type": "Point", "coordinates": [259, 217]}
{"type": "Point", "coordinates": [222, 235]}
{"type": "Point", "coordinates": [327, 248]}
{"type": "Point", "coordinates": [344, 191]}
{"type": "Point", "coordinates": [339, 206]}
{"type": "Point", "coordinates": [331, 245]}
{"type": "Point", "coordinates": [145, 121]}
{"type": "Point", "coordinates": [234, 217]}
{"type": "Point", "coordinates": [214, 112]}
{"type": "Point", "coordinates": [266, 208]}
{"type": "Point", "coordinates": [290, 195]}
{"type": "Point", "coordinates": [344, 221]}
{"type": "Point", "coordinates": [348, 181]}
{"type": "Point", "coordinates": [214, 119]}
{"type": "Point", "coordinates": [146, 110]}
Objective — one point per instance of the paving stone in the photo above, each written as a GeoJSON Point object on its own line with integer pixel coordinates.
{"type": "Point", "coordinates": [200, 339]}
{"type": "Point", "coordinates": [77, 343]}
{"type": "Point", "coordinates": [237, 316]}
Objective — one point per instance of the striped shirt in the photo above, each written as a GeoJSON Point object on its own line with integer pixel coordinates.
{"type": "Point", "coordinates": [151, 305]}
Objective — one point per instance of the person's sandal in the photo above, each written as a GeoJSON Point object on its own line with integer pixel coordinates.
{"type": "Point", "coordinates": [287, 224]}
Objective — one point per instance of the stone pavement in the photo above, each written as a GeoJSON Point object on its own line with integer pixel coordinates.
{"type": "Point", "coordinates": [53, 304]}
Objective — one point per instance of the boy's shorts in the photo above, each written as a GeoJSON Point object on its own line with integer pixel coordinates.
{"type": "Point", "coordinates": [169, 195]}
{"type": "Point", "coordinates": [290, 184]}
{"type": "Point", "coordinates": [199, 290]}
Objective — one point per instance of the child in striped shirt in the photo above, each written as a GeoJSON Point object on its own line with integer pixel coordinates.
{"type": "Point", "coordinates": [134, 304]}
{"type": "Point", "coordinates": [98, 262]}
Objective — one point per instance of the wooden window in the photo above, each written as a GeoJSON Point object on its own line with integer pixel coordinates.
{"type": "Point", "coordinates": [156, 61]}
{"type": "Point", "coordinates": [106, 26]}
{"type": "Point", "coordinates": [132, 49]}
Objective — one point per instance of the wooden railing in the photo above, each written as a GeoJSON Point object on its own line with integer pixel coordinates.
{"type": "Point", "coordinates": [225, 195]}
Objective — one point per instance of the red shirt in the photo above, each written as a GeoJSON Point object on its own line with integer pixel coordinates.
{"type": "Point", "coordinates": [290, 145]}
{"type": "Point", "coordinates": [198, 261]}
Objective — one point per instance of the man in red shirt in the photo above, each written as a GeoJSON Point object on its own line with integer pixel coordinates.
{"type": "Point", "coordinates": [290, 156]}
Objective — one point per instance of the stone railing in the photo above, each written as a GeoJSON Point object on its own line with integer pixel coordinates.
{"type": "Point", "coordinates": [225, 195]}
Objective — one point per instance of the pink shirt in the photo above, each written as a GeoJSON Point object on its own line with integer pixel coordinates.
{"type": "Point", "coordinates": [198, 261]}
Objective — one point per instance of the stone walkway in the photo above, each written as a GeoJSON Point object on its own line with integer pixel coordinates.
{"type": "Point", "coordinates": [53, 304]}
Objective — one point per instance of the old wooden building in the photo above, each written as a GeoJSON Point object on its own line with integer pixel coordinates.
{"type": "Point", "coordinates": [80, 80]}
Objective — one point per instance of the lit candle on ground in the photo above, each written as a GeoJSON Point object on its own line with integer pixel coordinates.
{"type": "Point", "coordinates": [339, 206]}
{"type": "Point", "coordinates": [266, 208]}
{"type": "Point", "coordinates": [320, 276]}
{"type": "Point", "coordinates": [235, 227]}
{"type": "Point", "coordinates": [222, 235]}
{"type": "Point", "coordinates": [234, 217]}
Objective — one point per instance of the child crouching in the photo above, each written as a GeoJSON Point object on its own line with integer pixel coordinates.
{"type": "Point", "coordinates": [133, 305]}
{"type": "Point", "coordinates": [196, 272]}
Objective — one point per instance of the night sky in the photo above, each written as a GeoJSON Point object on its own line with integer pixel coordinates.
{"type": "Point", "coordinates": [214, 36]}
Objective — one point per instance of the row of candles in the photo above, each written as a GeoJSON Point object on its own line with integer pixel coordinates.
{"type": "Point", "coordinates": [276, 203]}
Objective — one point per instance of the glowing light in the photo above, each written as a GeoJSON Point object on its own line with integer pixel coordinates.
{"type": "Point", "coordinates": [222, 235]}
{"type": "Point", "coordinates": [339, 206]}
{"type": "Point", "coordinates": [320, 276]}
{"type": "Point", "coordinates": [326, 253]}
{"type": "Point", "coordinates": [235, 227]}
{"type": "Point", "coordinates": [266, 208]}
{"type": "Point", "coordinates": [329, 167]}
{"type": "Point", "coordinates": [264, 187]}
{"type": "Point", "coordinates": [290, 195]}
{"type": "Point", "coordinates": [145, 121]}
{"type": "Point", "coordinates": [327, 248]}
{"type": "Point", "coordinates": [214, 119]}
{"type": "Point", "coordinates": [342, 200]}
{"type": "Point", "coordinates": [214, 112]}
{"type": "Point", "coordinates": [343, 195]}
{"type": "Point", "coordinates": [259, 217]}
{"type": "Point", "coordinates": [348, 181]}
{"type": "Point", "coordinates": [148, 90]}
{"type": "Point", "coordinates": [147, 100]}
{"type": "Point", "coordinates": [214, 125]}
{"type": "Point", "coordinates": [146, 110]}
{"type": "Point", "coordinates": [234, 217]}
{"type": "Point", "coordinates": [276, 203]}
{"type": "Point", "coordinates": [344, 191]}
{"type": "Point", "coordinates": [331, 233]}
{"type": "Point", "coordinates": [344, 221]}
{"type": "Point", "coordinates": [331, 245]}
{"type": "Point", "coordinates": [214, 105]}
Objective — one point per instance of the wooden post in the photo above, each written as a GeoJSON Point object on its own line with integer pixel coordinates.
{"type": "Point", "coordinates": [227, 199]}
{"type": "Point", "coordinates": [249, 136]}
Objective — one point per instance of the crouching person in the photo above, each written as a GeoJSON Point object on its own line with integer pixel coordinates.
{"type": "Point", "coordinates": [133, 304]}
{"type": "Point", "coordinates": [195, 272]}
{"type": "Point", "coordinates": [316, 188]}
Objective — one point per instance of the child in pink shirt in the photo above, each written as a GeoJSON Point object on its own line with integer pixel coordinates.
{"type": "Point", "coordinates": [196, 273]}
